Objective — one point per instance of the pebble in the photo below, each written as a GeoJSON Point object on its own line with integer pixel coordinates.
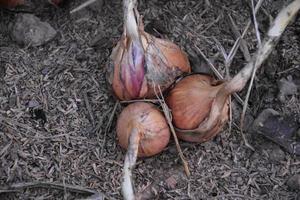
{"type": "Point", "coordinates": [276, 154]}
{"type": "Point", "coordinates": [29, 30]}
{"type": "Point", "coordinates": [286, 87]}
{"type": "Point", "coordinates": [294, 182]}
{"type": "Point", "coordinates": [277, 128]}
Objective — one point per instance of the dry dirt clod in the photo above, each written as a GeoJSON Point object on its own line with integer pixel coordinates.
{"type": "Point", "coordinates": [29, 30]}
{"type": "Point", "coordinates": [275, 153]}
{"type": "Point", "coordinates": [277, 128]}
{"type": "Point", "coordinates": [294, 182]}
{"type": "Point", "coordinates": [286, 87]}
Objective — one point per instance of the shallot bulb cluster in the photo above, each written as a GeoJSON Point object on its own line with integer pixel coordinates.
{"type": "Point", "coordinates": [140, 61]}
{"type": "Point", "coordinates": [199, 104]}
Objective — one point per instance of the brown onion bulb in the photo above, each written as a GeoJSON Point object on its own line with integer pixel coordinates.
{"type": "Point", "coordinates": [140, 61]}
{"type": "Point", "coordinates": [190, 102]}
{"type": "Point", "coordinates": [151, 124]}
{"type": "Point", "coordinates": [11, 3]}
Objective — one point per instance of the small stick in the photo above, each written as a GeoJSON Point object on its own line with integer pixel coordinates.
{"type": "Point", "coordinates": [107, 128]}
{"type": "Point", "coordinates": [253, 71]}
{"type": "Point", "coordinates": [59, 186]}
{"type": "Point", "coordinates": [129, 163]}
{"type": "Point", "coordinates": [255, 24]}
{"type": "Point", "coordinates": [218, 74]}
{"type": "Point", "coordinates": [169, 120]}
{"type": "Point", "coordinates": [251, 80]}
{"type": "Point", "coordinates": [239, 80]}
{"type": "Point", "coordinates": [80, 7]}
{"type": "Point", "coordinates": [88, 107]}
{"type": "Point", "coordinates": [140, 100]}
{"type": "Point", "coordinates": [243, 45]}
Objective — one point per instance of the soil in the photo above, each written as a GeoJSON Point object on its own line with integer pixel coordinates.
{"type": "Point", "coordinates": [61, 138]}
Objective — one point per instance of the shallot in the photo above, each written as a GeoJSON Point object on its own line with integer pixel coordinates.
{"type": "Point", "coordinates": [143, 131]}
{"type": "Point", "coordinates": [140, 61]}
{"type": "Point", "coordinates": [190, 101]}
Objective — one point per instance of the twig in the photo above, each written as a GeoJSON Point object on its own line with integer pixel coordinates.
{"type": "Point", "coordinates": [253, 71]}
{"type": "Point", "coordinates": [129, 163]}
{"type": "Point", "coordinates": [228, 196]}
{"type": "Point", "coordinates": [80, 7]}
{"type": "Point", "coordinates": [107, 128]}
{"type": "Point", "coordinates": [243, 45]}
{"type": "Point", "coordinates": [140, 100]}
{"type": "Point", "coordinates": [88, 107]}
{"type": "Point", "coordinates": [239, 81]}
{"type": "Point", "coordinates": [210, 25]}
{"type": "Point", "coordinates": [169, 120]}
{"type": "Point", "coordinates": [7, 191]}
{"type": "Point", "coordinates": [59, 186]}
{"type": "Point", "coordinates": [251, 80]}
{"type": "Point", "coordinates": [217, 73]}
{"type": "Point", "coordinates": [12, 122]}
{"type": "Point", "coordinates": [255, 24]}
{"type": "Point", "coordinates": [249, 22]}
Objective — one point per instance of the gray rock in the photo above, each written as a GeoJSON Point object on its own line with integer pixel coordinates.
{"type": "Point", "coordinates": [294, 182]}
{"type": "Point", "coordinates": [286, 87]}
{"type": "Point", "coordinates": [276, 154]}
{"type": "Point", "coordinates": [29, 30]}
{"type": "Point", "coordinates": [279, 129]}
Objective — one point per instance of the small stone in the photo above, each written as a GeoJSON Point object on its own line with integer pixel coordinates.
{"type": "Point", "coordinates": [45, 71]}
{"type": "Point", "coordinates": [29, 30]}
{"type": "Point", "coordinates": [33, 104]}
{"type": "Point", "coordinates": [276, 154]}
{"type": "Point", "coordinates": [286, 87]}
{"type": "Point", "coordinates": [279, 129]}
{"type": "Point", "coordinates": [294, 182]}
{"type": "Point", "coordinates": [171, 182]}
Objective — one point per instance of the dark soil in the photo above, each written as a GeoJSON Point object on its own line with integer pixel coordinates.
{"type": "Point", "coordinates": [62, 139]}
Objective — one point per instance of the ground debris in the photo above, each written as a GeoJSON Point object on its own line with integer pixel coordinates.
{"type": "Point", "coordinates": [29, 30]}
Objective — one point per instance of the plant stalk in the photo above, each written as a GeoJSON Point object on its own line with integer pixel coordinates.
{"type": "Point", "coordinates": [129, 164]}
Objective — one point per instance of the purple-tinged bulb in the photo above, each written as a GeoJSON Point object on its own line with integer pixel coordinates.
{"type": "Point", "coordinates": [133, 70]}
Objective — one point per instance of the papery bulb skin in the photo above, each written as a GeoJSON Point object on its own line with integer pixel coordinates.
{"type": "Point", "coordinates": [152, 125]}
{"type": "Point", "coordinates": [190, 102]}
{"type": "Point", "coordinates": [11, 3]}
{"type": "Point", "coordinates": [165, 62]}
{"type": "Point", "coordinates": [133, 70]}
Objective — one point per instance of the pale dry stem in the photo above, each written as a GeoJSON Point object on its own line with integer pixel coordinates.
{"type": "Point", "coordinates": [239, 81]}
{"type": "Point", "coordinates": [169, 120]}
{"type": "Point", "coordinates": [129, 163]}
